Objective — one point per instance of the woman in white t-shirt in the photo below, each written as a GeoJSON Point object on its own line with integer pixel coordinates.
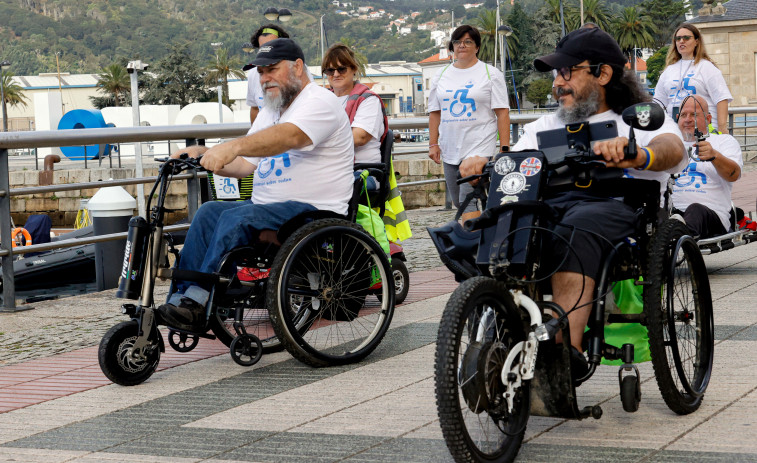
{"type": "Point", "coordinates": [364, 108]}
{"type": "Point", "coordinates": [468, 106]}
{"type": "Point", "coordinates": [690, 71]}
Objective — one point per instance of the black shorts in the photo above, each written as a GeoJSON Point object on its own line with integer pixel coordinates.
{"type": "Point", "coordinates": [589, 226]}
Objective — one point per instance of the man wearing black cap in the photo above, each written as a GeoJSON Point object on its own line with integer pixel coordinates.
{"type": "Point", "coordinates": [300, 147]}
{"type": "Point", "coordinates": [590, 85]}
{"type": "Point", "coordinates": [255, 93]}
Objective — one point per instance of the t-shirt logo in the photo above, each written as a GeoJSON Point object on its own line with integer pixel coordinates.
{"type": "Point", "coordinates": [276, 164]}
{"type": "Point", "coordinates": [462, 105]}
{"type": "Point", "coordinates": [690, 176]}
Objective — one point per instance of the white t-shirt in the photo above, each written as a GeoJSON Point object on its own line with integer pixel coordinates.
{"type": "Point", "coordinates": [255, 92]}
{"type": "Point", "coordinates": [685, 78]}
{"type": "Point", "coordinates": [549, 122]}
{"type": "Point", "coordinates": [369, 118]}
{"type": "Point", "coordinates": [319, 174]}
{"type": "Point", "coordinates": [467, 99]}
{"type": "Point", "coordinates": [701, 183]}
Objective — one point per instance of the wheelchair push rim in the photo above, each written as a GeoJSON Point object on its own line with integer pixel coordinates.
{"type": "Point", "coordinates": [318, 293]}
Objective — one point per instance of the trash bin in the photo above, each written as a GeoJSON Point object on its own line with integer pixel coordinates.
{"type": "Point", "coordinates": [110, 209]}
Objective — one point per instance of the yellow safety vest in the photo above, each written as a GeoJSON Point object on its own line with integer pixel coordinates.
{"type": "Point", "coordinates": [395, 218]}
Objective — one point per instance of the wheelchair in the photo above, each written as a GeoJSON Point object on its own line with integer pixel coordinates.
{"type": "Point", "coordinates": [309, 289]}
{"type": "Point", "coordinates": [496, 359]}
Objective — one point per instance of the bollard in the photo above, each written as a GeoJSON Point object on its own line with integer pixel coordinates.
{"type": "Point", "coordinates": [110, 209]}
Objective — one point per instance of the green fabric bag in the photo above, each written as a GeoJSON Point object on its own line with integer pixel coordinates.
{"type": "Point", "coordinates": [372, 223]}
{"type": "Point", "coordinates": [628, 298]}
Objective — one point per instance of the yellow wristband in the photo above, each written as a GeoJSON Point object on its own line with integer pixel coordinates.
{"type": "Point", "coordinates": [651, 158]}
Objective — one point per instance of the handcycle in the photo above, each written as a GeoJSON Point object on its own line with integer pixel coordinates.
{"type": "Point", "coordinates": [496, 359]}
{"type": "Point", "coordinates": [310, 293]}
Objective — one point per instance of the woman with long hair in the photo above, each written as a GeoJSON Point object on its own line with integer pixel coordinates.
{"type": "Point", "coordinates": [690, 71]}
{"type": "Point", "coordinates": [468, 106]}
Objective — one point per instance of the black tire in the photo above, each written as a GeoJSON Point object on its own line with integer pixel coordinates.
{"type": "Point", "coordinates": [246, 350]}
{"type": "Point", "coordinates": [473, 414]}
{"type": "Point", "coordinates": [678, 306]}
{"type": "Point", "coordinates": [114, 361]}
{"type": "Point", "coordinates": [316, 293]}
{"type": "Point", "coordinates": [629, 393]}
{"type": "Point", "coordinates": [401, 280]}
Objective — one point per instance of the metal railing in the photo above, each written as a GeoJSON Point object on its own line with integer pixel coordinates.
{"type": "Point", "coordinates": [746, 130]}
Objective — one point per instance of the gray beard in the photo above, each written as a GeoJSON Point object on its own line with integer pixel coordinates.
{"type": "Point", "coordinates": [582, 108]}
{"type": "Point", "coordinates": [287, 93]}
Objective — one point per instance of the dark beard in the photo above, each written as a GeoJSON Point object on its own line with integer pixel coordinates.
{"type": "Point", "coordinates": [584, 105]}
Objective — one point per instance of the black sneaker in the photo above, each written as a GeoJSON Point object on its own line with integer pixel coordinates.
{"type": "Point", "coordinates": [188, 316]}
{"type": "Point", "coordinates": [579, 366]}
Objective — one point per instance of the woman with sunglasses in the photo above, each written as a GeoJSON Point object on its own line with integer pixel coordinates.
{"type": "Point", "coordinates": [364, 108]}
{"type": "Point", "coordinates": [690, 71]}
{"type": "Point", "coordinates": [468, 106]}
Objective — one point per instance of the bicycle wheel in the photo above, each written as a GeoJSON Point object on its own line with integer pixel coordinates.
{"type": "Point", "coordinates": [317, 289]}
{"type": "Point", "coordinates": [678, 306]}
{"type": "Point", "coordinates": [479, 327]}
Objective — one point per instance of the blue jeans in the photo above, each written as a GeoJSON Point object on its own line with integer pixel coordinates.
{"type": "Point", "coordinates": [220, 226]}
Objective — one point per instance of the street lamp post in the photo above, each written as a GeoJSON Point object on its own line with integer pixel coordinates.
{"type": "Point", "coordinates": [215, 46]}
{"type": "Point", "coordinates": [133, 68]}
{"type": "Point", "coordinates": [323, 38]}
{"type": "Point", "coordinates": [3, 65]}
{"type": "Point", "coordinates": [506, 31]}
{"type": "Point", "coordinates": [60, 85]}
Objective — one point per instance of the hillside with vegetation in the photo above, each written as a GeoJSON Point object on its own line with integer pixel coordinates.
{"type": "Point", "coordinates": [88, 36]}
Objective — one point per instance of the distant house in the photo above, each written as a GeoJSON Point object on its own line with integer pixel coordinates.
{"type": "Point", "coordinates": [427, 26]}
{"type": "Point", "coordinates": [641, 71]}
{"type": "Point", "coordinates": [472, 5]}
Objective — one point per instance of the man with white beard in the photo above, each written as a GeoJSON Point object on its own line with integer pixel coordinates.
{"type": "Point", "coordinates": [301, 150]}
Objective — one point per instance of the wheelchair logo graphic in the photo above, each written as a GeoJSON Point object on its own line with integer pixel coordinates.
{"type": "Point", "coordinates": [229, 187]}
{"type": "Point", "coordinates": [270, 165]}
{"type": "Point", "coordinates": [690, 176]}
{"type": "Point", "coordinates": [461, 104]}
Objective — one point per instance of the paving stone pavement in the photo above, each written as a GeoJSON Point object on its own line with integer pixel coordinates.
{"type": "Point", "coordinates": [380, 410]}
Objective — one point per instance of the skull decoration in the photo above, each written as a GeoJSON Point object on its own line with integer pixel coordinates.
{"type": "Point", "coordinates": [643, 115]}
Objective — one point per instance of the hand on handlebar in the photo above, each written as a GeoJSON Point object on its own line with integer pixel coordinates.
{"type": "Point", "coordinates": [218, 156]}
{"type": "Point", "coordinates": [705, 151]}
{"type": "Point", "coordinates": [612, 151]}
{"type": "Point", "coordinates": [194, 151]}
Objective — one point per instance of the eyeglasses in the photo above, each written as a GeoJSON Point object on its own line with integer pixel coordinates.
{"type": "Point", "coordinates": [330, 71]}
{"type": "Point", "coordinates": [466, 42]}
{"type": "Point", "coordinates": [684, 38]}
{"type": "Point", "coordinates": [566, 72]}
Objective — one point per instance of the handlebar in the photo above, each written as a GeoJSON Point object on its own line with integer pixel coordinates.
{"type": "Point", "coordinates": [181, 164]}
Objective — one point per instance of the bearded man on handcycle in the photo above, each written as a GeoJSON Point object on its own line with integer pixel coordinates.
{"type": "Point", "coordinates": [300, 147]}
{"type": "Point", "coordinates": [590, 85]}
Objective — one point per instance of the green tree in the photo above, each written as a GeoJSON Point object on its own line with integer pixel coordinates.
{"type": "Point", "coordinates": [665, 15]}
{"type": "Point", "coordinates": [538, 90]}
{"type": "Point", "coordinates": [595, 11]}
{"type": "Point", "coordinates": [570, 14]}
{"type": "Point", "coordinates": [13, 95]}
{"type": "Point", "coordinates": [459, 12]}
{"type": "Point", "coordinates": [177, 80]}
{"type": "Point", "coordinates": [220, 69]}
{"type": "Point", "coordinates": [655, 66]}
{"type": "Point", "coordinates": [523, 52]}
{"type": "Point", "coordinates": [487, 26]}
{"type": "Point", "coordinates": [114, 82]}
{"type": "Point", "coordinates": [632, 29]}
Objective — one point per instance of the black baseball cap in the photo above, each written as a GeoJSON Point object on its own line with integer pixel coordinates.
{"type": "Point", "coordinates": [591, 44]}
{"type": "Point", "coordinates": [276, 50]}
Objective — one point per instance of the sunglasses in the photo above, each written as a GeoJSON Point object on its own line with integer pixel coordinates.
{"type": "Point", "coordinates": [567, 72]}
{"type": "Point", "coordinates": [330, 71]}
{"type": "Point", "coordinates": [684, 38]}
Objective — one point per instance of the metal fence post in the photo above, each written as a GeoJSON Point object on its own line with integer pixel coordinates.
{"type": "Point", "coordinates": [6, 243]}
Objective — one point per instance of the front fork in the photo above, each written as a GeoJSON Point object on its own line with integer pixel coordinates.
{"type": "Point", "coordinates": [514, 372]}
